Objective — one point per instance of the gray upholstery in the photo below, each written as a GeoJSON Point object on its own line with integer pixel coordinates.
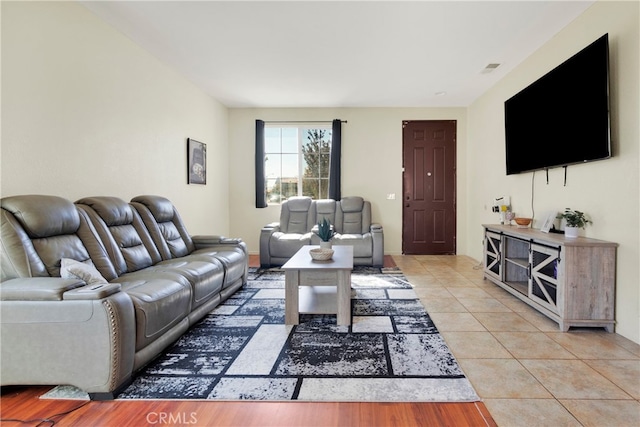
{"type": "Point", "coordinates": [325, 208]}
{"type": "Point", "coordinates": [280, 241]}
{"type": "Point", "coordinates": [48, 338]}
{"type": "Point", "coordinates": [127, 234]}
{"type": "Point", "coordinates": [37, 231]}
{"type": "Point", "coordinates": [63, 331]}
{"type": "Point", "coordinates": [299, 216]}
{"type": "Point", "coordinates": [162, 297]}
{"type": "Point", "coordinates": [171, 237]}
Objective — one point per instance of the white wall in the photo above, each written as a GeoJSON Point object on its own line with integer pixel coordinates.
{"type": "Point", "coordinates": [607, 190]}
{"type": "Point", "coordinates": [86, 112]}
{"type": "Point", "coordinates": [371, 164]}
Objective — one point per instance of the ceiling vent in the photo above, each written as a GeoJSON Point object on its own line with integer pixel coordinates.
{"type": "Point", "coordinates": [489, 68]}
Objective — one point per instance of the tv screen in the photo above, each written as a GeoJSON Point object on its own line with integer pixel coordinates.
{"type": "Point", "coordinates": [562, 118]}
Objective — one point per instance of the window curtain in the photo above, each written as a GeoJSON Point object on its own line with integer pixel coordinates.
{"type": "Point", "coordinates": [261, 185]}
{"type": "Point", "coordinates": [334, 162]}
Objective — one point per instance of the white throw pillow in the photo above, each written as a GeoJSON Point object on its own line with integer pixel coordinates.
{"type": "Point", "coordinates": [72, 269]}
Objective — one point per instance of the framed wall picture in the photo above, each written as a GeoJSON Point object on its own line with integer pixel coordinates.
{"type": "Point", "coordinates": [548, 220]}
{"type": "Point", "coordinates": [196, 162]}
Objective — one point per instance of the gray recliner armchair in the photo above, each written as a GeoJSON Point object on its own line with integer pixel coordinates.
{"type": "Point", "coordinates": [279, 241]}
{"type": "Point", "coordinates": [354, 227]}
{"type": "Point", "coordinates": [350, 217]}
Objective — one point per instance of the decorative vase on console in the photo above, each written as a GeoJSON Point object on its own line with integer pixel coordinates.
{"type": "Point", "coordinates": [509, 216]}
{"type": "Point", "coordinates": [325, 233]}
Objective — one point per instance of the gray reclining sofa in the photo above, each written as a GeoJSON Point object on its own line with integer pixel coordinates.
{"type": "Point", "coordinates": [91, 292]}
{"type": "Point", "coordinates": [350, 217]}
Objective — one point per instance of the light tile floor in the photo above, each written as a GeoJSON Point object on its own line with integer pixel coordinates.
{"type": "Point", "coordinates": [525, 370]}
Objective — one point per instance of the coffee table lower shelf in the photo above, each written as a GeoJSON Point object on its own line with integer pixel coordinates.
{"type": "Point", "coordinates": [318, 299]}
{"type": "Point", "coordinates": [318, 288]}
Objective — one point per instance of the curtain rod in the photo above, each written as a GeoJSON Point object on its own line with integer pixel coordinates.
{"type": "Point", "coordinates": [302, 121]}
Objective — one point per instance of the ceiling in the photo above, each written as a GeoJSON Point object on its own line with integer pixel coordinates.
{"type": "Point", "coordinates": [340, 53]}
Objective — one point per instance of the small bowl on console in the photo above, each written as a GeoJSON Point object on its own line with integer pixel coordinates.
{"type": "Point", "coordinates": [523, 222]}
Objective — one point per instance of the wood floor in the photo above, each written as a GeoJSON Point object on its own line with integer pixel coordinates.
{"type": "Point", "coordinates": [21, 406]}
{"type": "Point", "coordinates": [23, 403]}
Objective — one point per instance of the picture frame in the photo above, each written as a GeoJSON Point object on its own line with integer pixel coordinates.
{"type": "Point", "coordinates": [549, 219]}
{"type": "Point", "coordinates": [196, 162]}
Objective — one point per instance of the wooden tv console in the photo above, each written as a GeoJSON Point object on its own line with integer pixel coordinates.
{"type": "Point", "coordinates": [570, 280]}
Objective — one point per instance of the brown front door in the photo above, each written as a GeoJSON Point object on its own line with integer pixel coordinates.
{"type": "Point", "coordinates": [429, 187]}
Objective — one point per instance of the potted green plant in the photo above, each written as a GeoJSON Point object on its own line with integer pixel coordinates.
{"type": "Point", "coordinates": [574, 220]}
{"type": "Point", "coordinates": [325, 233]}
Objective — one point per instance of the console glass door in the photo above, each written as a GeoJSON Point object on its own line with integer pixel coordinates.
{"type": "Point", "coordinates": [545, 274]}
{"type": "Point", "coordinates": [492, 255]}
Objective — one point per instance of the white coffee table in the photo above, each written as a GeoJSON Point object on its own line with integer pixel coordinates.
{"type": "Point", "coordinates": [318, 287]}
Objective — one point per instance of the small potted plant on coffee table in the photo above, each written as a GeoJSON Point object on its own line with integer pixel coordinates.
{"type": "Point", "coordinates": [326, 233]}
{"type": "Point", "coordinates": [575, 220]}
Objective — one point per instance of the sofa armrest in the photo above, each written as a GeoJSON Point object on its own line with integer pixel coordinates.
{"type": "Point", "coordinates": [271, 227]}
{"type": "Point", "coordinates": [54, 289]}
{"type": "Point", "coordinates": [220, 243]}
{"type": "Point", "coordinates": [37, 288]}
{"type": "Point", "coordinates": [99, 291]}
{"type": "Point", "coordinates": [86, 343]}
{"type": "Point", "coordinates": [378, 245]}
{"type": "Point", "coordinates": [207, 241]}
{"type": "Point", "coordinates": [265, 236]}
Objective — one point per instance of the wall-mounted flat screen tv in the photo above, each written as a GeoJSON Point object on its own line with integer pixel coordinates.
{"type": "Point", "coordinates": [563, 117]}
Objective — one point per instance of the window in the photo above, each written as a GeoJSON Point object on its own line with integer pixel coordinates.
{"type": "Point", "coordinates": [297, 162]}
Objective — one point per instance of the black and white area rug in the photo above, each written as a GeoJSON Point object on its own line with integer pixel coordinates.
{"type": "Point", "coordinates": [243, 350]}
